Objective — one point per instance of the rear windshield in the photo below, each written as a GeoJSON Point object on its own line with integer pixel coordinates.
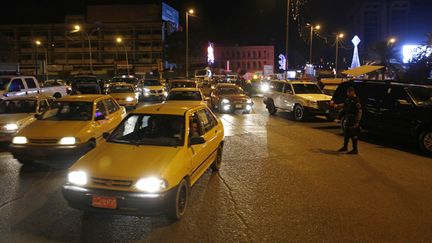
{"type": "Point", "coordinates": [79, 80]}
{"type": "Point", "coordinates": [121, 89]}
{"type": "Point", "coordinates": [152, 83]}
{"type": "Point", "coordinates": [184, 95]}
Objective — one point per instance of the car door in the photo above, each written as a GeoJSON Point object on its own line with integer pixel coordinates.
{"type": "Point", "coordinates": [397, 112]}
{"type": "Point", "coordinates": [101, 121]}
{"type": "Point", "coordinates": [276, 93]}
{"type": "Point", "coordinates": [197, 152]}
{"type": "Point", "coordinates": [16, 88]}
{"type": "Point", "coordinates": [114, 116]}
{"type": "Point", "coordinates": [32, 87]}
{"type": "Point", "coordinates": [372, 97]}
{"type": "Point", "coordinates": [288, 98]}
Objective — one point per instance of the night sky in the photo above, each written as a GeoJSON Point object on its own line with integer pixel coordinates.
{"type": "Point", "coordinates": [228, 22]}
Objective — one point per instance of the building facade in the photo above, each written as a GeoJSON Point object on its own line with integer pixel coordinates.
{"type": "Point", "coordinates": [378, 20]}
{"type": "Point", "coordinates": [244, 59]}
{"type": "Point", "coordinates": [142, 29]}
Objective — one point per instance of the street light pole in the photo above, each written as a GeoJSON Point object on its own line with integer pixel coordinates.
{"type": "Point", "coordinates": [287, 39]}
{"type": "Point", "coordinates": [39, 44]}
{"type": "Point", "coordinates": [77, 28]}
{"type": "Point", "coordinates": [311, 40]}
{"type": "Point", "coordinates": [338, 37]}
{"type": "Point", "coordinates": [120, 41]}
{"type": "Point", "coordinates": [188, 13]}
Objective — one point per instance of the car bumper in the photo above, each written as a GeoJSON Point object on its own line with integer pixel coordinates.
{"type": "Point", "coordinates": [6, 137]}
{"type": "Point", "coordinates": [237, 106]}
{"type": "Point", "coordinates": [128, 203]}
{"type": "Point", "coordinates": [35, 152]}
{"type": "Point", "coordinates": [317, 112]}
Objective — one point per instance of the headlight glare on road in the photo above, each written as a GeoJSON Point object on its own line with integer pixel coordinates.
{"type": "Point", "coordinates": [68, 141]}
{"type": "Point", "coordinates": [151, 184]}
{"type": "Point", "coordinates": [78, 178]}
{"type": "Point", "coordinates": [11, 127]}
{"type": "Point", "coordinates": [225, 101]}
{"type": "Point", "coordinates": [129, 99]}
{"type": "Point", "coordinates": [19, 140]}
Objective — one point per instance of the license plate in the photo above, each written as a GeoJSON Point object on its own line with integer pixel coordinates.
{"type": "Point", "coordinates": [104, 202]}
{"type": "Point", "coordinates": [238, 106]}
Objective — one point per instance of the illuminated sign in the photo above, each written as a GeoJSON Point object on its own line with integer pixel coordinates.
{"type": "Point", "coordinates": [409, 52]}
{"type": "Point", "coordinates": [171, 15]}
{"type": "Point", "coordinates": [210, 54]}
{"type": "Point", "coordinates": [282, 62]}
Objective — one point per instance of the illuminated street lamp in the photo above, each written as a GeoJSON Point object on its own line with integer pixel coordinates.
{"type": "Point", "coordinates": [190, 12]}
{"type": "Point", "coordinates": [391, 41]}
{"type": "Point", "coordinates": [39, 44]}
{"type": "Point", "coordinates": [312, 28]}
{"type": "Point", "coordinates": [119, 40]}
{"type": "Point", "coordinates": [76, 29]}
{"type": "Point", "coordinates": [338, 37]}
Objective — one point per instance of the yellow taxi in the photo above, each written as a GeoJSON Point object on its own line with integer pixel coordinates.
{"type": "Point", "coordinates": [148, 164]}
{"type": "Point", "coordinates": [71, 126]}
{"type": "Point", "coordinates": [124, 94]}
{"type": "Point", "coordinates": [186, 96]}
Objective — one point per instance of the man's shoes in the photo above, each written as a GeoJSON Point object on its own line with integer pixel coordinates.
{"type": "Point", "coordinates": [353, 151]}
{"type": "Point", "coordinates": [343, 149]}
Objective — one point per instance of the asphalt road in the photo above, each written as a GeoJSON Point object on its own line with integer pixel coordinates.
{"type": "Point", "coordinates": [281, 181]}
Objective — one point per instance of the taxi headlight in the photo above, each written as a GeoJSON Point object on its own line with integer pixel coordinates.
{"type": "Point", "coordinates": [19, 140]}
{"type": "Point", "coordinates": [11, 127]}
{"type": "Point", "coordinates": [312, 103]}
{"type": "Point", "coordinates": [225, 101]}
{"type": "Point", "coordinates": [151, 184]}
{"type": "Point", "coordinates": [265, 87]}
{"type": "Point", "coordinates": [129, 99]}
{"type": "Point", "coordinates": [249, 101]}
{"type": "Point", "coordinates": [78, 178]}
{"type": "Point", "coordinates": [68, 141]}
{"type": "Point", "coordinates": [146, 90]}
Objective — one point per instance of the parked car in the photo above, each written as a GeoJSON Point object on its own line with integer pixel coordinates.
{"type": "Point", "coordinates": [228, 97]}
{"type": "Point", "coordinates": [146, 166]}
{"type": "Point", "coordinates": [138, 85]}
{"type": "Point", "coordinates": [71, 127]}
{"type": "Point", "coordinates": [303, 99]}
{"type": "Point", "coordinates": [186, 95]}
{"type": "Point", "coordinates": [125, 94]}
{"type": "Point", "coordinates": [153, 89]}
{"type": "Point", "coordinates": [18, 112]}
{"type": "Point", "coordinates": [85, 84]}
{"type": "Point", "coordinates": [399, 109]}
{"type": "Point", "coordinates": [56, 88]}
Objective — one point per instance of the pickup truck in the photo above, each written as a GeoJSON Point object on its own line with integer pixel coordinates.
{"type": "Point", "coordinates": [13, 85]}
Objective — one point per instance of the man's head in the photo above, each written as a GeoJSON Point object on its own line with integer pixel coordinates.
{"type": "Point", "coordinates": [193, 127]}
{"type": "Point", "coordinates": [351, 92]}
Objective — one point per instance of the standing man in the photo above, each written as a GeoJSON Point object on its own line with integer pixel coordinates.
{"type": "Point", "coordinates": [352, 111]}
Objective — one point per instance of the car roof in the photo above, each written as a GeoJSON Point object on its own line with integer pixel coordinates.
{"type": "Point", "coordinates": [168, 108]}
{"type": "Point", "coordinates": [185, 89]}
{"type": "Point", "coordinates": [122, 84]}
{"type": "Point", "coordinates": [226, 84]}
{"type": "Point", "coordinates": [85, 98]}
{"type": "Point", "coordinates": [182, 80]}
{"type": "Point", "coordinates": [38, 97]}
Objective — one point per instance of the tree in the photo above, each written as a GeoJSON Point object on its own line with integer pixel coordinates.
{"type": "Point", "coordinates": [386, 54]}
{"type": "Point", "coordinates": [419, 69]}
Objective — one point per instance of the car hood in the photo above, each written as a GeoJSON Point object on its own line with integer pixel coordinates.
{"type": "Point", "coordinates": [234, 97]}
{"type": "Point", "coordinates": [54, 129]}
{"type": "Point", "coordinates": [18, 118]}
{"type": "Point", "coordinates": [124, 161]}
{"type": "Point", "coordinates": [315, 97]}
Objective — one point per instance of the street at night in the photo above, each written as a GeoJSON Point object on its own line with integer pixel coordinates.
{"type": "Point", "coordinates": [280, 181]}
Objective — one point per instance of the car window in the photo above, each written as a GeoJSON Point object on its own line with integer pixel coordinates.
{"type": "Point", "coordinates": [17, 106]}
{"type": "Point", "coordinates": [16, 85]}
{"type": "Point", "coordinates": [31, 84]}
{"type": "Point", "coordinates": [100, 109]}
{"type": "Point", "coordinates": [276, 86]}
{"type": "Point", "coordinates": [195, 126]}
{"type": "Point", "coordinates": [208, 120]}
{"type": "Point", "coordinates": [69, 111]}
{"type": "Point", "coordinates": [111, 105]}
{"type": "Point", "coordinates": [288, 89]}
{"type": "Point", "coordinates": [396, 94]}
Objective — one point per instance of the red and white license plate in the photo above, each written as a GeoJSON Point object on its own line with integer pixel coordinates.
{"type": "Point", "coordinates": [238, 106]}
{"type": "Point", "coordinates": [104, 202]}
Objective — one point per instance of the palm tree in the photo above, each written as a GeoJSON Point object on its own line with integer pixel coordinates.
{"type": "Point", "coordinates": [385, 54]}
{"type": "Point", "coordinates": [419, 69]}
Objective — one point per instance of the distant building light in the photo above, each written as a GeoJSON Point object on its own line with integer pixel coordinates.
{"type": "Point", "coordinates": [410, 52]}
{"type": "Point", "coordinates": [210, 54]}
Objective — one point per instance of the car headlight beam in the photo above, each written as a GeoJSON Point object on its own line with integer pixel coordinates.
{"type": "Point", "coordinates": [19, 140]}
{"type": "Point", "coordinates": [225, 101]}
{"type": "Point", "coordinates": [151, 184]}
{"type": "Point", "coordinates": [11, 127]}
{"type": "Point", "coordinates": [129, 99]}
{"type": "Point", "coordinates": [68, 141]}
{"type": "Point", "coordinates": [78, 178]}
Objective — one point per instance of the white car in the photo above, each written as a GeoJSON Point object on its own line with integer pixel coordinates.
{"type": "Point", "coordinates": [55, 88]}
{"type": "Point", "coordinates": [15, 85]}
{"type": "Point", "coordinates": [18, 112]}
{"type": "Point", "coordinates": [301, 98]}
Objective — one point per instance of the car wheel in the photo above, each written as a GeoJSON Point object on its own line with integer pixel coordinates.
{"type": "Point", "coordinates": [425, 141]}
{"type": "Point", "coordinates": [218, 161]}
{"type": "Point", "coordinates": [299, 113]}
{"type": "Point", "coordinates": [57, 95]}
{"type": "Point", "coordinates": [271, 107]}
{"type": "Point", "coordinates": [179, 201]}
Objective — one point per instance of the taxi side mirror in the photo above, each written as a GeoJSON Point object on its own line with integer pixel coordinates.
{"type": "Point", "coordinates": [196, 141]}
{"type": "Point", "coordinates": [106, 135]}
